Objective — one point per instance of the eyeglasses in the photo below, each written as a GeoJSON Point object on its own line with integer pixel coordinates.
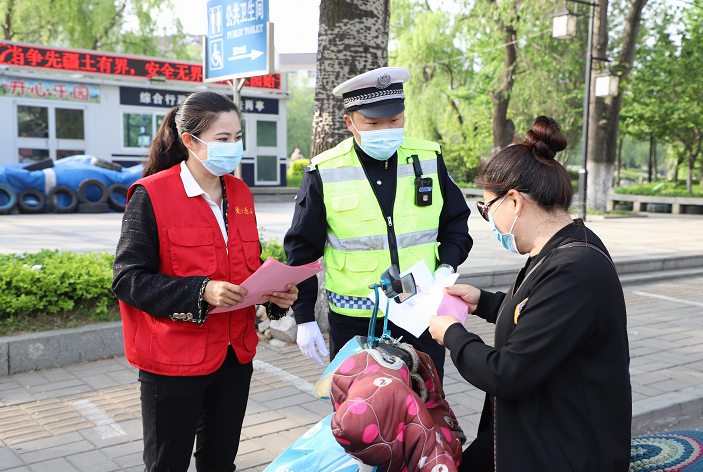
{"type": "Point", "coordinates": [484, 207]}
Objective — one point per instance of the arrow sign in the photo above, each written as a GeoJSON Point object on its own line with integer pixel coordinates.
{"type": "Point", "coordinates": [253, 55]}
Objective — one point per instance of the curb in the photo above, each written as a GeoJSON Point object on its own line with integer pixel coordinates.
{"type": "Point", "coordinates": [629, 271]}
{"type": "Point", "coordinates": [662, 410]}
{"type": "Point", "coordinates": [47, 349]}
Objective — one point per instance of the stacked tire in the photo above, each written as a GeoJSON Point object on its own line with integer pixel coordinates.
{"type": "Point", "coordinates": [8, 199]}
{"type": "Point", "coordinates": [31, 201]}
{"type": "Point", "coordinates": [63, 199]}
{"type": "Point", "coordinates": [86, 205]}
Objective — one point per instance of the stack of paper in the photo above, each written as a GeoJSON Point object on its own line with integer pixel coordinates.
{"type": "Point", "coordinates": [272, 276]}
{"type": "Point", "coordinates": [413, 315]}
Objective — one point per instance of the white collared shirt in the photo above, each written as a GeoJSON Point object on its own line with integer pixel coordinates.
{"type": "Point", "coordinates": [193, 189]}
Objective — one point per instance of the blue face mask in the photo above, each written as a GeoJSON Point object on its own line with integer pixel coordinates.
{"type": "Point", "coordinates": [507, 240]}
{"type": "Point", "coordinates": [380, 144]}
{"type": "Point", "coordinates": [222, 158]}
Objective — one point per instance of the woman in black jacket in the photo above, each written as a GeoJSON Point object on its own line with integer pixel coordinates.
{"type": "Point", "coordinates": [557, 381]}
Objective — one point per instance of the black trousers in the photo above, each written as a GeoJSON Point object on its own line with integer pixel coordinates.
{"type": "Point", "coordinates": [343, 328]}
{"type": "Point", "coordinates": [209, 408]}
{"type": "Point", "coordinates": [478, 457]}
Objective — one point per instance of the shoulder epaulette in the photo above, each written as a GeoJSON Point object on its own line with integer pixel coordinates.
{"type": "Point", "coordinates": [339, 150]}
{"type": "Point", "coordinates": [421, 145]}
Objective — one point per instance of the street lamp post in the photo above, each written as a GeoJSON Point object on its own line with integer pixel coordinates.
{"type": "Point", "coordinates": [564, 26]}
{"type": "Point", "coordinates": [583, 172]}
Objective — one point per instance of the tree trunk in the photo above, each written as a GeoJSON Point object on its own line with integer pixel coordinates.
{"type": "Point", "coordinates": [503, 128]}
{"type": "Point", "coordinates": [655, 167]}
{"type": "Point", "coordinates": [618, 164]}
{"type": "Point", "coordinates": [353, 38]}
{"type": "Point", "coordinates": [689, 175]}
{"type": "Point", "coordinates": [651, 154]}
{"type": "Point", "coordinates": [604, 116]}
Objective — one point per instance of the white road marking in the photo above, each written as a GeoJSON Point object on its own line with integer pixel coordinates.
{"type": "Point", "coordinates": [669, 299]}
{"type": "Point", "coordinates": [300, 384]}
{"type": "Point", "coordinates": [106, 427]}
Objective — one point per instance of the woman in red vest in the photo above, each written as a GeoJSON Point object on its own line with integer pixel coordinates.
{"type": "Point", "coordinates": [189, 239]}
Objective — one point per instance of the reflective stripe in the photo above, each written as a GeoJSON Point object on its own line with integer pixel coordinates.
{"type": "Point", "coordinates": [364, 243]}
{"type": "Point", "coordinates": [343, 174]}
{"type": "Point", "coordinates": [380, 242]}
{"type": "Point", "coordinates": [416, 238]}
{"type": "Point", "coordinates": [428, 167]}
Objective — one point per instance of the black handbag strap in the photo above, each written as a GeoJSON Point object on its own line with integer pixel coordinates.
{"type": "Point", "coordinates": [590, 246]}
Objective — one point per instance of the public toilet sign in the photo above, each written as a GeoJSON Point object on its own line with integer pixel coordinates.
{"type": "Point", "coordinates": [239, 40]}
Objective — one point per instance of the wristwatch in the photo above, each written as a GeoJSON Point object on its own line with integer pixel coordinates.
{"type": "Point", "coordinates": [446, 266]}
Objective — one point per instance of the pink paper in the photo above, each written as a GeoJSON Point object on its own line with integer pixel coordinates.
{"type": "Point", "coordinates": [452, 305]}
{"type": "Point", "coordinates": [272, 276]}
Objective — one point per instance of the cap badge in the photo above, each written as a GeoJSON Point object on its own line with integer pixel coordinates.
{"type": "Point", "coordinates": [383, 81]}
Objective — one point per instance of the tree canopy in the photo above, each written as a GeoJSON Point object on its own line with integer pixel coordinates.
{"type": "Point", "coordinates": [124, 26]}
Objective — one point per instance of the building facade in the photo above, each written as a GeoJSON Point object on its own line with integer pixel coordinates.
{"type": "Point", "coordinates": [57, 102]}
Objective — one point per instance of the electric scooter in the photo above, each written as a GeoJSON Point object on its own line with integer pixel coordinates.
{"type": "Point", "coordinates": [317, 450]}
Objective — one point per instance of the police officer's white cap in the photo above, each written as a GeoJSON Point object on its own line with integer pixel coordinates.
{"type": "Point", "coordinates": [377, 93]}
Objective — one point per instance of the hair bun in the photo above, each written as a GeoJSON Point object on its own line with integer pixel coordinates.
{"type": "Point", "coordinates": [545, 138]}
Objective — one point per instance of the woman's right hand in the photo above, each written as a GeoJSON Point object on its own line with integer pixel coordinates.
{"type": "Point", "coordinates": [467, 293]}
{"type": "Point", "coordinates": [223, 294]}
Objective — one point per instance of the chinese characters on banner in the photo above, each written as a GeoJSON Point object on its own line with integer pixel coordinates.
{"type": "Point", "coordinates": [18, 55]}
{"type": "Point", "coordinates": [144, 97]}
{"type": "Point", "coordinates": [50, 90]}
{"type": "Point", "coordinates": [151, 97]}
{"type": "Point", "coordinates": [12, 54]}
{"type": "Point", "coordinates": [266, 106]}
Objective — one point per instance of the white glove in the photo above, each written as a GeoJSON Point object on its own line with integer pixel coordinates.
{"type": "Point", "coordinates": [309, 335]}
{"type": "Point", "coordinates": [442, 273]}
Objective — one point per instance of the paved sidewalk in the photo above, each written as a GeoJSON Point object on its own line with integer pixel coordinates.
{"type": "Point", "coordinates": [626, 238]}
{"type": "Point", "coordinates": [86, 417]}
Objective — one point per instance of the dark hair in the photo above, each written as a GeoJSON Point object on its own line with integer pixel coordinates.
{"type": "Point", "coordinates": [195, 115]}
{"type": "Point", "coordinates": [531, 166]}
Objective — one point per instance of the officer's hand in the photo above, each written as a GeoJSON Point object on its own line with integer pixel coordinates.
{"type": "Point", "coordinates": [309, 336]}
{"type": "Point", "coordinates": [284, 299]}
{"type": "Point", "coordinates": [467, 293]}
{"type": "Point", "coordinates": [442, 273]}
{"type": "Point", "coordinates": [439, 326]}
{"type": "Point", "coordinates": [223, 294]}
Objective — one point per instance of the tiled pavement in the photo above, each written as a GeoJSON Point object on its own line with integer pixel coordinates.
{"type": "Point", "coordinates": [86, 417]}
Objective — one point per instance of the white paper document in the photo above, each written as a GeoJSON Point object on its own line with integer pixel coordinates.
{"type": "Point", "coordinates": [413, 315]}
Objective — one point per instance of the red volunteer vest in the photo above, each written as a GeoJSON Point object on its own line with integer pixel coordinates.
{"type": "Point", "coordinates": [191, 243]}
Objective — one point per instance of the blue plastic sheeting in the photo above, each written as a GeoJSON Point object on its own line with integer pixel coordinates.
{"type": "Point", "coordinates": [70, 171]}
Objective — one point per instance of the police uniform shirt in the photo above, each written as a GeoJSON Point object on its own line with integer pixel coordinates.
{"type": "Point", "coordinates": [305, 241]}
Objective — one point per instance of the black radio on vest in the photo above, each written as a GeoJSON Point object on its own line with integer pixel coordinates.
{"type": "Point", "coordinates": [423, 185]}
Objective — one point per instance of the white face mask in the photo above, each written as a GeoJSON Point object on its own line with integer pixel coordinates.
{"type": "Point", "coordinates": [380, 144]}
{"type": "Point", "coordinates": [222, 158]}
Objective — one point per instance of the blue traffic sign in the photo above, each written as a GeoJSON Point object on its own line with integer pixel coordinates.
{"type": "Point", "coordinates": [239, 40]}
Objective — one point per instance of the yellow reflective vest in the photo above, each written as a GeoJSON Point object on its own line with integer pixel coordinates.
{"type": "Point", "coordinates": [360, 238]}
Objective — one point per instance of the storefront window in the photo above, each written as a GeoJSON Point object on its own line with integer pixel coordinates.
{"type": "Point", "coordinates": [266, 169]}
{"type": "Point", "coordinates": [32, 122]}
{"type": "Point", "coordinates": [137, 130]}
{"type": "Point", "coordinates": [159, 120]}
{"type": "Point", "coordinates": [266, 133]}
{"type": "Point", "coordinates": [69, 124]}
{"type": "Point", "coordinates": [60, 154]}
{"type": "Point", "coordinates": [27, 156]}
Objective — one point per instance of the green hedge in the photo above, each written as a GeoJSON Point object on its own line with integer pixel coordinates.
{"type": "Point", "coordinates": [273, 248]}
{"type": "Point", "coordinates": [298, 167]}
{"type": "Point", "coordinates": [664, 189]}
{"type": "Point", "coordinates": [51, 282]}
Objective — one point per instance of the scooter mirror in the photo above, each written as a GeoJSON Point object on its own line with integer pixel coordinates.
{"type": "Point", "coordinates": [396, 287]}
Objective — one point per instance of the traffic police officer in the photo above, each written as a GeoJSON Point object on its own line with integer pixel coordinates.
{"type": "Point", "coordinates": [374, 200]}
